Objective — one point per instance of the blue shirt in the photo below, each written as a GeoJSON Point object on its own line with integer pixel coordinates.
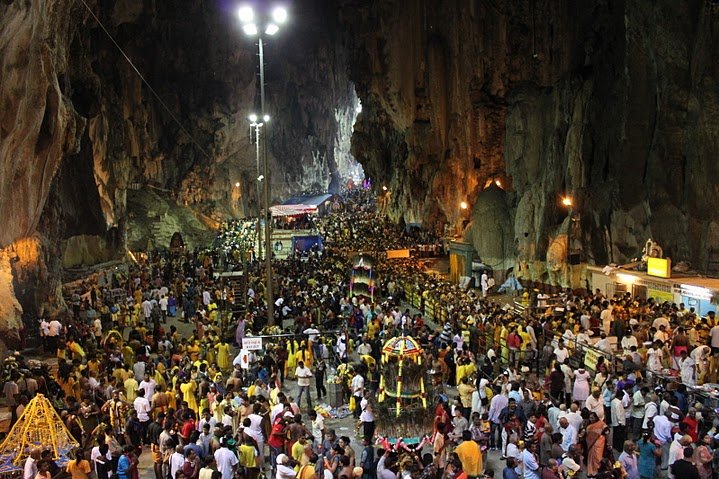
{"type": "Point", "coordinates": [123, 467]}
{"type": "Point", "coordinates": [509, 473]}
{"type": "Point", "coordinates": [531, 466]}
{"type": "Point", "coordinates": [569, 437]}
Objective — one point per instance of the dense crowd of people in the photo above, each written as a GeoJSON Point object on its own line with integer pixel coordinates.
{"type": "Point", "coordinates": [155, 371]}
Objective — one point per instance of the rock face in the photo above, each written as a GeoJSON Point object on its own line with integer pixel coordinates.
{"type": "Point", "coordinates": [79, 127]}
{"type": "Point", "coordinates": [506, 105]}
{"type": "Point", "coordinates": [611, 103]}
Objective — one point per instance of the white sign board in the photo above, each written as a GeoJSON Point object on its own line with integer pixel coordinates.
{"type": "Point", "coordinates": [252, 344]}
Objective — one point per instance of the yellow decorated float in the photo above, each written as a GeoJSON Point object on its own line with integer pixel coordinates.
{"type": "Point", "coordinates": [403, 418]}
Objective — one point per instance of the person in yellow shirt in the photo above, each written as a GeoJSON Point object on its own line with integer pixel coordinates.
{"type": "Point", "coordinates": [223, 356]}
{"type": "Point", "coordinates": [248, 457]}
{"type": "Point", "coordinates": [291, 363]}
{"type": "Point", "coordinates": [131, 386]}
{"type": "Point", "coordinates": [193, 350]}
{"type": "Point", "coordinates": [78, 468]}
{"type": "Point", "coordinates": [94, 365]}
{"type": "Point", "coordinates": [188, 389]}
{"type": "Point", "coordinates": [304, 354]}
{"type": "Point", "coordinates": [465, 391]}
{"type": "Point", "coordinates": [298, 451]}
{"type": "Point", "coordinates": [373, 328]}
{"type": "Point", "coordinates": [470, 455]}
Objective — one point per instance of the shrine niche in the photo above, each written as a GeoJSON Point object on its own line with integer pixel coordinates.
{"type": "Point", "coordinates": [177, 244]}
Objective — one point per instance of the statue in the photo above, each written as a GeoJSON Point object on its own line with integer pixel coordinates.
{"type": "Point", "coordinates": [651, 250]}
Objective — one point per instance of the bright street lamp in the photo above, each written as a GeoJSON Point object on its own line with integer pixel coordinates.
{"type": "Point", "coordinates": [567, 201]}
{"type": "Point", "coordinates": [269, 25]}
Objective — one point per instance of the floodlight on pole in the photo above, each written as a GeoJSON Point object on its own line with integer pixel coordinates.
{"type": "Point", "coordinates": [246, 14]}
{"type": "Point", "coordinates": [256, 25]}
{"type": "Point", "coordinates": [271, 29]}
{"type": "Point", "coordinates": [250, 29]}
{"type": "Point", "coordinates": [279, 15]}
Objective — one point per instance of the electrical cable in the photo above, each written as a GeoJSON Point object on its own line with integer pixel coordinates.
{"type": "Point", "coordinates": [152, 90]}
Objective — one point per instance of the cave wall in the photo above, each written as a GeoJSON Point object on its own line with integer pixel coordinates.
{"type": "Point", "coordinates": [79, 128]}
{"type": "Point", "coordinates": [613, 103]}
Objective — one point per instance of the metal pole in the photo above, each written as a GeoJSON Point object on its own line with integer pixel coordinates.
{"type": "Point", "coordinates": [259, 202]}
{"type": "Point", "coordinates": [268, 216]}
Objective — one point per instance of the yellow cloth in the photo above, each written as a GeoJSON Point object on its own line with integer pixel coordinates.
{"type": "Point", "coordinates": [131, 386]}
{"type": "Point", "coordinates": [78, 470]}
{"type": "Point", "coordinates": [465, 394]}
{"type": "Point", "coordinates": [193, 351]}
{"type": "Point", "coordinates": [298, 450]}
{"type": "Point", "coordinates": [188, 395]}
{"type": "Point", "coordinates": [223, 356]}
{"type": "Point", "coordinates": [471, 457]}
{"type": "Point", "coordinates": [305, 356]}
{"type": "Point", "coordinates": [248, 456]}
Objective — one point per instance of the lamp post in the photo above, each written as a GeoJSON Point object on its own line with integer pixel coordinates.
{"type": "Point", "coordinates": [256, 126]}
{"type": "Point", "coordinates": [573, 236]}
{"type": "Point", "coordinates": [268, 26]}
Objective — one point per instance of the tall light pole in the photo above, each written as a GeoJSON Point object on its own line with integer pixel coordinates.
{"type": "Point", "coordinates": [256, 127]}
{"type": "Point", "coordinates": [268, 26]}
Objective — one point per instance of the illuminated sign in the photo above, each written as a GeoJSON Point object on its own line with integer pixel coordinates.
{"type": "Point", "coordinates": [659, 267]}
{"type": "Point", "coordinates": [695, 292]}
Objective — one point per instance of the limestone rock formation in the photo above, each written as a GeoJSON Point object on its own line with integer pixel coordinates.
{"type": "Point", "coordinates": [79, 127]}
{"type": "Point", "coordinates": [612, 103]}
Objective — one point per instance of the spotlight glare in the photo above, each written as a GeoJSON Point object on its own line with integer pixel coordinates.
{"type": "Point", "coordinates": [252, 118]}
{"type": "Point", "coordinates": [279, 15]}
{"type": "Point", "coordinates": [246, 14]}
{"type": "Point", "coordinates": [250, 29]}
{"type": "Point", "coordinates": [272, 29]}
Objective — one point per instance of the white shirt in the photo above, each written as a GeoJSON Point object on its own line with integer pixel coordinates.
{"type": "Point", "coordinates": [95, 453]}
{"type": "Point", "coordinates": [607, 318]}
{"type": "Point", "coordinates": [303, 376]}
{"type": "Point", "coordinates": [618, 414]}
{"type": "Point", "coordinates": [357, 385]}
{"type": "Point", "coordinates": [569, 437]}
{"type": "Point", "coordinates": [363, 349]}
{"type": "Point", "coordinates": [366, 415]}
{"type": "Point", "coordinates": [54, 329]}
{"type": "Point", "coordinates": [713, 334]}
{"type": "Point", "coordinates": [226, 460]}
{"type": "Point", "coordinates": [176, 461]}
{"type": "Point", "coordinates": [561, 354]}
{"type": "Point", "coordinates": [628, 342]}
{"type": "Point", "coordinates": [650, 410]}
{"type": "Point", "coordinates": [149, 387]}
{"type": "Point", "coordinates": [143, 408]}
{"type": "Point", "coordinates": [147, 311]}
{"type": "Point", "coordinates": [163, 304]}
{"type": "Point", "coordinates": [312, 334]}
{"type": "Point", "coordinates": [283, 472]}
{"type": "Point", "coordinates": [317, 426]}
{"type": "Point", "coordinates": [30, 469]}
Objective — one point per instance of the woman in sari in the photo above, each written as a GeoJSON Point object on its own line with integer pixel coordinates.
{"type": "Point", "coordinates": [596, 441]}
